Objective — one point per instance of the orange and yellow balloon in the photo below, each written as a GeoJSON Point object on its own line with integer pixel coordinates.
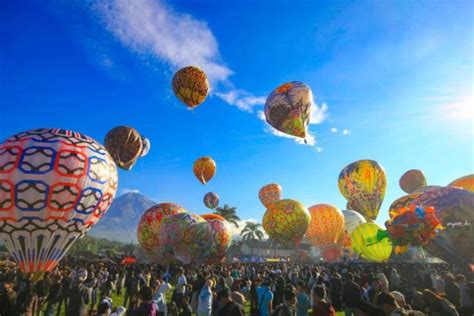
{"type": "Point", "coordinates": [221, 236]}
{"type": "Point", "coordinates": [286, 222]}
{"type": "Point", "coordinates": [270, 194]}
{"type": "Point", "coordinates": [191, 86]}
{"type": "Point", "coordinates": [204, 169]}
{"type": "Point", "coordinates": [326, 228]}
{"type": "Point", "coordinates": [363, 184]}
{"type": "Point", "coordinates": [466, 183]}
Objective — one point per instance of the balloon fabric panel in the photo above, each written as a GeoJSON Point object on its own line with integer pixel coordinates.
{"type": "Point", "coordinates": [191, 86]}
{"type": "Point", "coordinates": [124, 145]}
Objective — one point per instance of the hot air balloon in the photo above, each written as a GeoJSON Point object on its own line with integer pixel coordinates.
{"type": "Point", "coordinates": [352, 219]}
{"type": "Point", "coordinates": [412, 180]}
{"type": "Point", "coordinates": [454, 207]}
{"type": "Point", "coordinates": [363, 185]}
{"type": "Point", "coordinates": [146, 145]}
{"type": "Point", "coordinates": [413, 226]}
{"type": "Point", "coordinates": [191, 86]}
{"type": "Point", "coordinates": [326, 228]}
{"type": "Point", "coordinates": [187, 236]}
{"type": "Point", "coordinates": [221, 236]}
{"type": "Point", "coordinates": [148, 231]}
{"type": "Point", "coordinates": [211, 200]}
{"type": "Point", "coordinates": [55, 184]}
{"type": "Point", "coordinates": [466, 182]}
{"type": "Point", "coordinates": [124, 145]}
{"type": "Point", "coordinates": [270, 194]}
{"type": "Point", "coordinates": [288, 108]}
{"type": "Point", "coordinates": [407, 200]}
{"type": "Point", "coordinates": [204, 169]}
{"type": "Point", "coordinates": [286, 222]}
{"type": "Point", "coordinates": [371, 242]}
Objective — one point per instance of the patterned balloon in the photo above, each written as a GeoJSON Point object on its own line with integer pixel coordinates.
{"type": "Point", "coordinates": [124, 145]}
{"type": "Point", "coordinates": [211, 200]}
{"type": "Point", "coordinates": [363, 184]}
{"type": "Point", "coordinates": [270, 194]}
{"type": "Point", "coordinates": [187, 236]}
{"type": "Point", "coordinates": [286, 222]}
{"type": "Point", "coordinates": [466, 182]}
{"type": "Point", "coordinates": [412, 180]}
{"type": "Point", "coordinates": [288, 108]}
{"type": "Point", "coordinates": [146, 145]}
{"type": "Point", "coordinates": [326, 228]}
{"type": "Point", "coordinates": [204, 169]}
{"type": "Point", "coordinates": [191, 86]}
{"type": "Point", "coordinates": [455, 209]}
{"type": "Point", "coordinates": [371, 242]}
{"type": "Point", "coordinates": [148, 231]}
{"type": "Point", "coordinates": [408, 199]}
{"type": "Point", "coordinates": [352, 219]}
{"type": "Point", "coordinates": [55, 185]}
{"type": "Point", "coordinates": [221, 236]}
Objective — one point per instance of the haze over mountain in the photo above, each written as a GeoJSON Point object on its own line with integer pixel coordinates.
{"type": "Point", "coordinates": [121, 220]}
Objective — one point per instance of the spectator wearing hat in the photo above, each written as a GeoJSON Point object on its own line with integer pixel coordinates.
{"type": "Point", "coordinates": [389, 305]}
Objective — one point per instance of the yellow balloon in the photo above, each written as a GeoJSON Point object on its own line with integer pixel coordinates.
{"type": "Point", "coordinates": [466, 183]}
{"type": "Point", "coordinates": [367, 240]}
{"type": "Point", "coordinates": [286, 222]}
{"type": "Point", "coordinates": [326, 227]}
{"type": "Point", "coordinates": [363, 184]}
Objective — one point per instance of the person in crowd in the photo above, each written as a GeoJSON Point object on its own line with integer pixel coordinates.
{"type": "Point", "coordinates": [180, 288]}
{"type": "Point", "coordinates": [54, 295]}
{"type": "Point", "coordinates": [351, 295]}
{"type": "Point", "coordinates": [265, 298]}
{"type": "Point", "coordinates": [146, 307]}
{"type": "Point", "coordinates": [467, 306]}
{"type": "Point", "coordinates": [302, 299]}
{"type": "Point", "coordinates": [389, 305]}
{"type": "Point", "coordinates": [187, 310]}
{"type": "Point", "coordinates": [7, 299]}
{"type": "Point", "coordinates": [321, 305]}
{"type": "Point", "coordinates": [205, 300]}
{"type": "Point", "coordinates": [78, 298]}
{"type": "Point", "coordinates": [227, 307]}
{"type": "Point", "coordinates": [438, 306]}
{"type": "Point", "coordinates": [453, 291]}
{"type": "Point", "coordinates": [366, 308]}
{"type": "Point", "coordinates": [288, 308]}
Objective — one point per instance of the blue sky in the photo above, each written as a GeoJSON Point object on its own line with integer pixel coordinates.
{"type": "Point", "coordinates": [392, 81]}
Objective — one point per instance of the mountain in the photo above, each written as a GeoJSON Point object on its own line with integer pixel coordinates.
{"type": "Point", "coordinates": [121, 220]}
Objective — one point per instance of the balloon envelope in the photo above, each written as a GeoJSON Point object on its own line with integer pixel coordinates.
{"type": "Point", "coordinates": [146, 145]}
{"type": "Point", "coordinates": [148, 231]}
{"type": "Point", "coordinates": [124, 145]}
{"type": "Point", "coordinates": [204, 169]}
{"type": "Point", "coordinates": [286, 222]}
{"type": "Point", "coordinates": [55, 185]}
{"type": "Point", "coordinates": [466, 182]}
{"type": "Point", "coordinates": [288, 108]}
{"type": "Point", "coordinates": [270, 194]}
{"type": "Point", "coordinates": [363, 184]}
{"type": "Point", "coordinates": [412, 180]}
{"type": "Point", "coordinates": [187, 236]}
{"type": "Point", "coordinates": [221, 236]}
{"type": "Point", "coordinates": [191, 86]}
{"type": "Point", "coordinates": [365, 242]}
{"type": "Point", "coordinates": [211, 200]}
{"type": "Point", "coordinates": [326, 227]}
{"type": "Point", "coordinates": [352, 219]}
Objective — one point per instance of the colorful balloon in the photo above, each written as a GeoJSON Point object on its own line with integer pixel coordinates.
{"type": "Point", "coordinates": [204, 169]}
{"type": "Point", "coordinates": [412, 180]}
{"type": "Point", "coordinates": [407, 200]}
{"type": "Point", "coordinates": [211, 200]}
{"type": "Point", "coordinates": [371, 242]}
{"type": "Point", "coordinates": [466, 182]}
{"type": "Point", "coordinates": [146, 145]}
{"type": "Point", "coordinates": [270, 194]}
{"type": "Point", "coordinates": [221, 236]}
{"type": "Point", "coordinates": [326, 228]}
{"type": "Point", "coordinates": [352, 219]}
{"type": "Point", "coordinates": [124, 145]}
{"type": "Point", "coordinates": [191, 86]}
{"type": "Point", "coordinates": [288, 108]}
{"type": "Point", "coordinates": [286, 222]}
{"type": "Point", "coordinates": [363, 184]}
{"type": "Point", "coordinates": [148, 231]}
{"type": "Point", "coordinates": [454, 207]}
{"type": "Point", "coordinates": [186, 236]}
{"type": "Point", "coordinates": [55, 184]}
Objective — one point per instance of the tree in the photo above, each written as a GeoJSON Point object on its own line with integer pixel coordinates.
{"type": "Point", "coordinates": [229, 213]}
{"type": "Point", "coordinates": [252, 231]}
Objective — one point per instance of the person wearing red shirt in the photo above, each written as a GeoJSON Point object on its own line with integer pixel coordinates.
{"type": "Point", "coordinates": [321, 306]}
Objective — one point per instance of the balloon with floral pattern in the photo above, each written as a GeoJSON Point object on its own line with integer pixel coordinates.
{"type": "Point", "coordinates": [191, 86]}
{"type": "Point", "coordinates": [270, 194]}
{"type": "Point", "coordinates": [221, 236]}
{"type": "Point", "coordinates": [412, 180]}
{"type": "Point", "coordinates": [211, 200]}
{"type": "Point", "coordinates": [326, 228]}
{"type": "Point", "coordinates": [204, 169]}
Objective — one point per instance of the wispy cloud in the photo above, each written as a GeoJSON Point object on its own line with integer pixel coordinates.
{"type": "Point", "coordinates": [125, 191]}
{"type": "Point", "coordinates": [334, 130]}
{"type": "Point", "coordinates": [242, 99]}
{"type": "Point", "coordinates": [346, 132]}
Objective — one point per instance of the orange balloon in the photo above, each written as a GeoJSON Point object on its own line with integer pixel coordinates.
{"type": "Point", "coordinates": [204, 169]}
{"type": "Point", "coordinates": [326, 228]}
{"type": "Point", "coordinates": [270, 194]}
{"type": "Point", "coordinates": [209, 217]}
{"type": "Point", "coordinates": [466, 183]}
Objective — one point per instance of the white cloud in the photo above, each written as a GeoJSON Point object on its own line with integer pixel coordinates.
{"type": "Point", "coordinates": [334, 130]}
{"type": "Point", "coordinates": [318, 149]}
{"type": "Point", "coordinates": [346, 132]}
{"type": "Point", "coordinates": [242, 99]}
{"type": "Point", "coordinates": [125, 191]}
{"type": "Point", "coordinates": [152, 28]}
{"type": "Point", "coordinates": [319, 113]}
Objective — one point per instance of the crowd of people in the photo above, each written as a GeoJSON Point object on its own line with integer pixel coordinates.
{"type": "Point", "coordinates": [264, 289]}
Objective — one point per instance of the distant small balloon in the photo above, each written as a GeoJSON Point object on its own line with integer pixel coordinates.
{"type": "Point", "coordinates": [211, 200]}
{"type": "Point", "coordinates": [124, 145]}
{"type": "Point", "coordinates": [270, 194]}
{"type": "Point", "coordinates": [191, 86]}
{"type": "Point", "coordinates": [412, 180]}
{"type": "Point", "coordinates": [204, 169]}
